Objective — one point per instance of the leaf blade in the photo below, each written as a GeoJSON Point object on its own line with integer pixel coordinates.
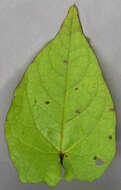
{"type": "Point", "coordinates": [62, 106]}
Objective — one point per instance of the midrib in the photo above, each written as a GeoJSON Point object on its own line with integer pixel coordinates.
{"type": "Point", "coordinates": [65, 92]}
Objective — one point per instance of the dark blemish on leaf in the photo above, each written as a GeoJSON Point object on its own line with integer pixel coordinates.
{"type": "Point", "coordinates": [112, 110]}
{"type": "Point", "coordinates": [47, 102]}
{"type": "Point", "coordinates": [66, 155]}
{"type": "Point", "coordinates": [78, 126]}
{"type": "Point", "coordinates": [94, 87]}
{"type": "Point", "coordinates": [77, 111]}
{"type": "Point", "coordinates": [98, 161]}
{"type": "Point", "coordinates": [95, 157]}
{"type": "Point", "coordinates": [76, 88]}
{"type": "Point", "coordinates": [110, 137]}
{"type": "Point", "coordinates": [35, 101]}
{"type": "Point", "coordinates": [65, 62]}
{"type": "Point", "coordinates": [61, 158]}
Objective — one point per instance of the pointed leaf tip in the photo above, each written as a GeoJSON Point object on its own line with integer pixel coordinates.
{"type": "Point", "coordinates": [73, 9]}
{"type": "Point", "coordinates": [71, 21]}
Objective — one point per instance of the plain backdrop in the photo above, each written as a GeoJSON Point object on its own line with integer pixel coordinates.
{"type": "Point", "coordinates": [25, 27]}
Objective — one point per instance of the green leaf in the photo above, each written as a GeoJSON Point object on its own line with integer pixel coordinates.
{"type": "Point", "coordinates": [62, 113]}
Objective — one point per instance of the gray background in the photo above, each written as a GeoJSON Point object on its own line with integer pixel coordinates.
{"type": "Point", "coordinates": [25, 27]}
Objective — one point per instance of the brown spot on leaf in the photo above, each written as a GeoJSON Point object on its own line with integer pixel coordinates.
{"type": "Point", "coordinates": [94, 87]}
{"type": "Point", "coordinates": [66, 155]}
{"type": "Point", "coordinates": [78, 126]}
{"type": "Point", "coordinates": [65, 62]}
{"type": "Point", "coordinates": [35, 101]}
{"type": "Point", "coordinates": [95, 157]}
{"type": "Point", "coordinates": [47, 102]}
{"type": "Point", "coordinates": [110, 137]}
{"type": "Point", "coordinates": [76, 88]}
{"type": "Point", "coordinates": [112, 109]}
{"type": "Point", "coordinates": [77, 111]}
